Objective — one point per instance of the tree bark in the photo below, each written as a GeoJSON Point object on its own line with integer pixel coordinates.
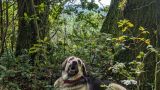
{"type": "Point", "coordinates": [113, 16]}
{"type": "Point", "coordinates": [144, 13]}
{"type": "Point", "coordinates": [28, 32]}
{"type": "Point", "coordinates": [1, 27]}
{"type": "Point", "coordinates": [157, 79]}
{"type": "Point", "coordinates": [43, 17]}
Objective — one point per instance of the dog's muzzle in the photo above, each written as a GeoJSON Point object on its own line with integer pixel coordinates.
{"type": "Point", "coordinates": [73, 68]}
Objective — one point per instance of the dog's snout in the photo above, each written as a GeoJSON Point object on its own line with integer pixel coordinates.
{"type": "Point", "coordinates": [73, 68]}
{"type": "Point", "coordinates": [74, 65]}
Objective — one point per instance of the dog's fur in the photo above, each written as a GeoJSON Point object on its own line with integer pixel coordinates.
{"type": "Point", "coordinates": [74, 77]}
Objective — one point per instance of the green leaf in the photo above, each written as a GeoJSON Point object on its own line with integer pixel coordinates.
{"type": "Point", "coordinates": [3, 68]}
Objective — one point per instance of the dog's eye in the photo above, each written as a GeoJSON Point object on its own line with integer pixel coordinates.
{"type": "Point", "coordinates": [71, 59]}
{"type": "Point", "coordinates": [79, 61]}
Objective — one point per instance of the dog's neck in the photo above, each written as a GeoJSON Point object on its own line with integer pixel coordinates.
{"type": "Point", "coordinates": [80, 79]}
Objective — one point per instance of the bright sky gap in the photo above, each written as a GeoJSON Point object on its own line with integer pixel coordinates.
{"type": "Point", "coordinates": [99, 2]}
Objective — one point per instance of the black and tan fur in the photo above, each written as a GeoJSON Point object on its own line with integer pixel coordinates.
{"type": "Point", "coordinates": [74, 77]}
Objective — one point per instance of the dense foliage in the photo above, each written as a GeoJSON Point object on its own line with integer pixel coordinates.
{"type": "Point", "coordinates": [72, 30]}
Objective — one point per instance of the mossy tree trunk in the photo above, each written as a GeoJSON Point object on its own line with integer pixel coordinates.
{"type": "Point", "coordinates": [1, 27]}
{"type": "Point", "coordinates": [113, 16]}
{"type": "Point", "coordinates": [42, 12]}
{"type": "Point", "coordinates": [28, 30]}
{"type": "Point", "coordinates": [33, 23]}
{"type": "Point", "coordinates": [144, 13]}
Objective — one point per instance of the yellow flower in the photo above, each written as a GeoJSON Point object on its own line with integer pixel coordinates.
{"type": "Point", "coordinates": [130, 24]}
{"type": "Point", "coordinates": [124, 29]}
{"type": "Point", "coordinates": [147, 42]}
{"type": "Point", "coordinates": [122, 38]}
{"type": "Point", "coordinates": [145, 32]}
{"type": "Point", "coordinates": [141, 28]}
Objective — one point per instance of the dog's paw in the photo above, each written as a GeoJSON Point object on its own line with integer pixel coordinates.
{"type": "Point", "coordinates": [114, 86]}
{"type": "Point", "coordinates": [65, 76]}
{"type": "Point", "coordinates": [57, 83]}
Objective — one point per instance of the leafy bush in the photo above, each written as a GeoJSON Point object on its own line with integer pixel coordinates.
{"type": "Point", "coordinates": [101, 52]}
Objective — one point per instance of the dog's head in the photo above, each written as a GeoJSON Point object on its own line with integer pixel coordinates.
{"type": "Point", "coordinates": [72, 68]}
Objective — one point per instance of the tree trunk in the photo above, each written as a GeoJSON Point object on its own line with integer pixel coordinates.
{"type": "Point", "coordinates": [144, 13]}
{"type": "Point", "coordinates": [1, 27]}
{"type": "Point", "coordinates": [113, 16]}
{"type": "Point", "coordinates": [157, 79]}
{"type": "Point", "coordinates": [43, 17]}
{"type": "Point", "coordinates": [13, 37]}
{"type": "Point", "coordinates": [28, 32]}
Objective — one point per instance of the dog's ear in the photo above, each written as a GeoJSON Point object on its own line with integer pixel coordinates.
{"type": "Point", "coordinates": [82, 66]}
{"type": "Point", "coordinates": [66, 60]}
{"type": "Point", "coordinates": [84, 69]}
{"type": "Point", "coordinates": [64, 64]}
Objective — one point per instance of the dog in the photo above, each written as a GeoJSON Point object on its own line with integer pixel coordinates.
{"type": "Point", "coordinates": [74, 77]}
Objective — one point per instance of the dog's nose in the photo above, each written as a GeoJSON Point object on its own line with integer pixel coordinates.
{"type": "Point", "coordinates": [74, 63]}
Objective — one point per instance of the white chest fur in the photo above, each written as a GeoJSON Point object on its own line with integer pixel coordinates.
{"type": "Point", "coordinates": [77, 87]}
{"type": "Point", "coordinates": [59, 85]}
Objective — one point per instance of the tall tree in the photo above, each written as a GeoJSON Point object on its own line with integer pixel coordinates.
{"type": "Point", "coordinates": [33, 22]}
{"type": "Point", "coordinates": [1, 27]}
{"type": "Point", "coordinates": [28, 31]}
{"type": "Point", "coordinates": [4, 29]}
{"type": "Point", "coordinates": [42, 11]}
{"type": "Point", "coordinates": [113, 16]}
{"type": "Point", "coordinates": [142, 13]}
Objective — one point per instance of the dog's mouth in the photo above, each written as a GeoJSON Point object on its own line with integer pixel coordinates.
{"type": "Point", "coordinates": [73, 69]}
